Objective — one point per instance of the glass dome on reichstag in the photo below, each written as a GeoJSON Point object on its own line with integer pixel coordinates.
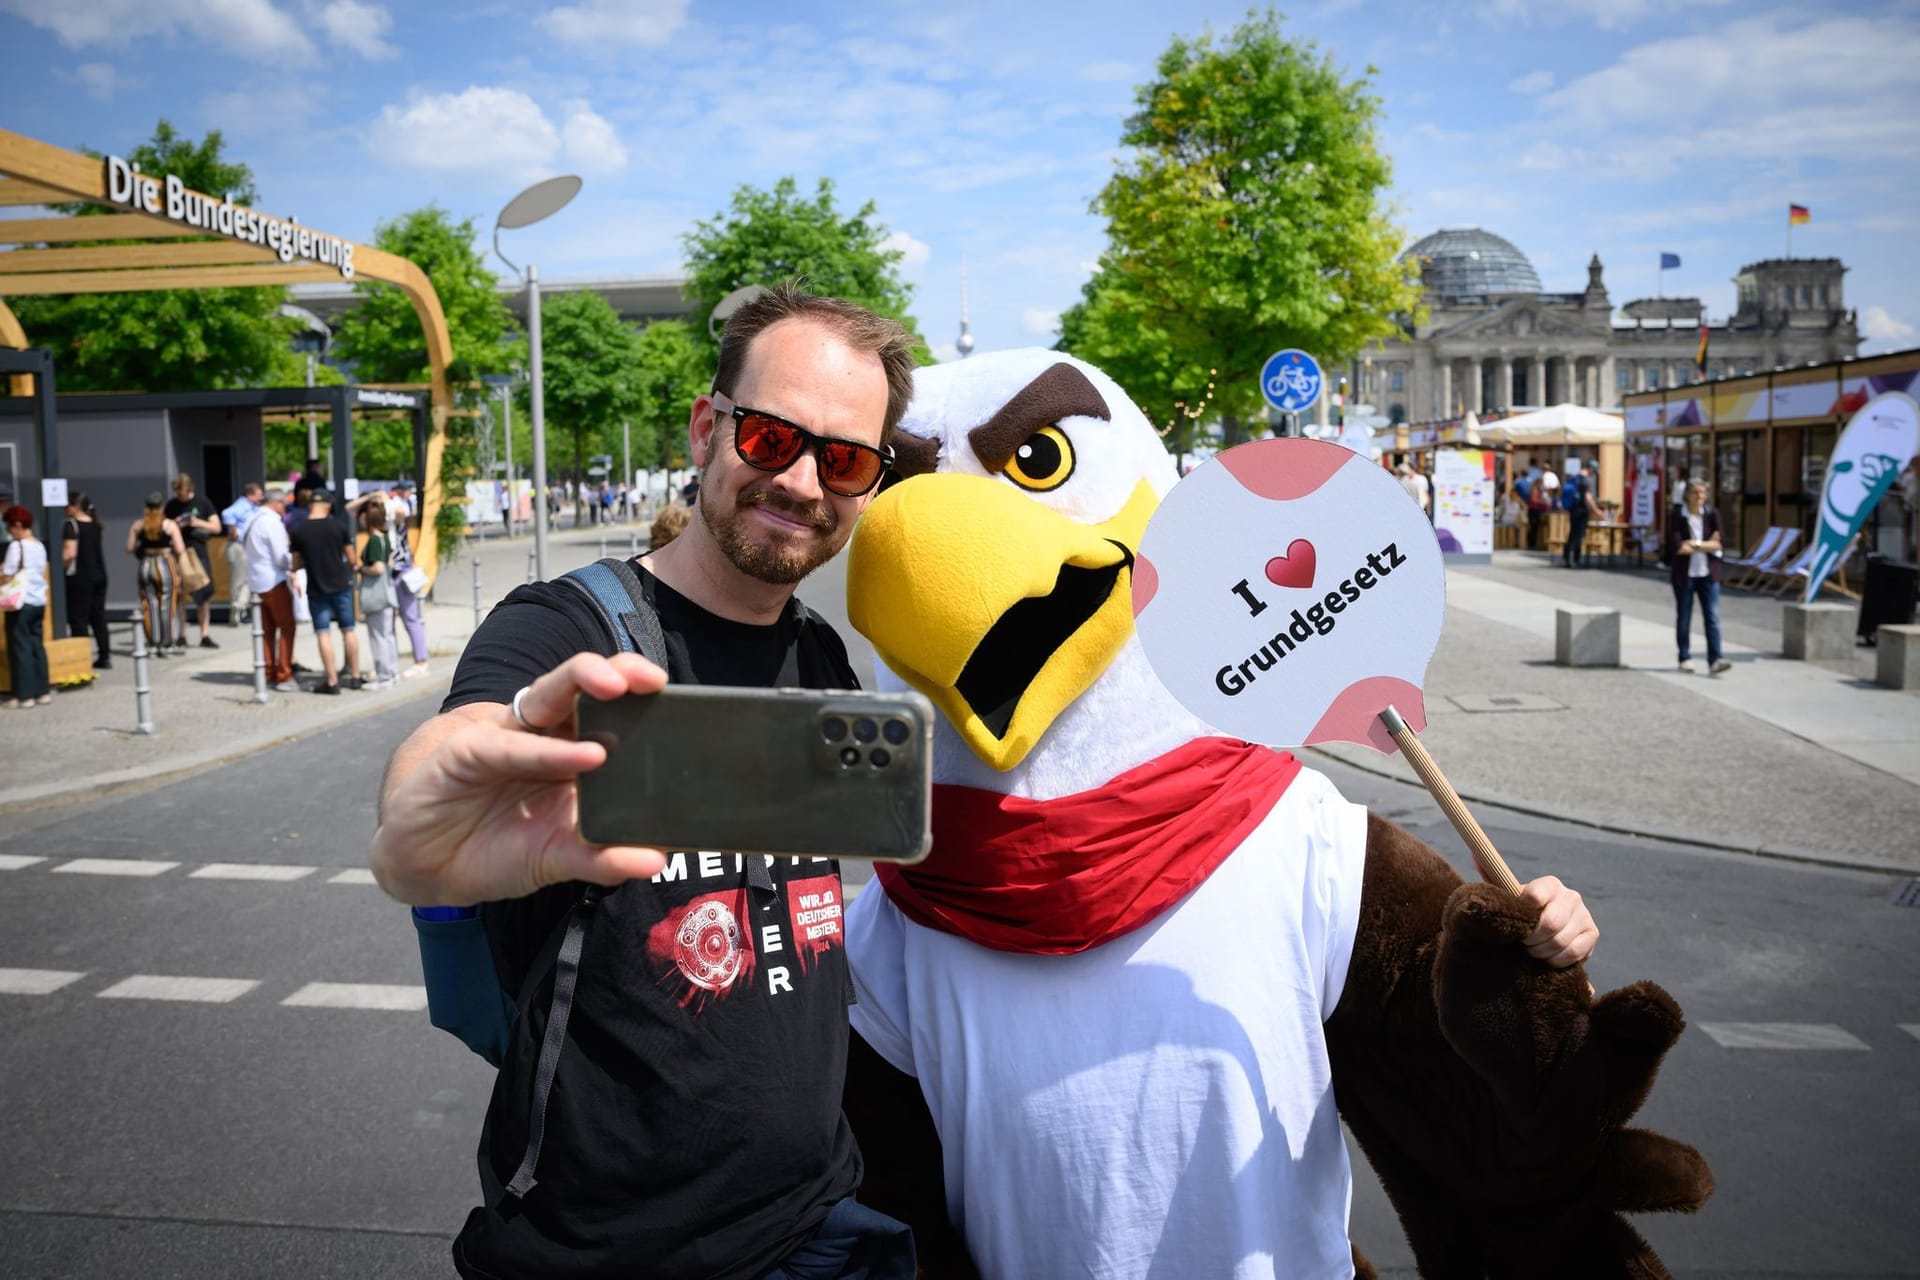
{"type": "Point", "coordinates": [1470, 263]}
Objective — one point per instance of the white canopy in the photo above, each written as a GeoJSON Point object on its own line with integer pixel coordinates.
{"type": "Point", "coordinates": [1557, 424]}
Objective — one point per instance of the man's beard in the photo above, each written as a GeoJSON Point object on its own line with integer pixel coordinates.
{"type": "Point", "coordinates": [784, 560]}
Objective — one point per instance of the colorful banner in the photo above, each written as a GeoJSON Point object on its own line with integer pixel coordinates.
{"type": "Point", "coordinates": [1869, 456]}
{"type": "Point", "coordinates": [1463, 500]}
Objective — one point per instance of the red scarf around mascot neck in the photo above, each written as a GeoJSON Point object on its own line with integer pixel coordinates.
{"type": "Point", "coordinates": [1052, 877]}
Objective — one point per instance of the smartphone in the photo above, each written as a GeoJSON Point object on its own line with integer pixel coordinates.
{"type": "Point", "coordinates": [794, 772]}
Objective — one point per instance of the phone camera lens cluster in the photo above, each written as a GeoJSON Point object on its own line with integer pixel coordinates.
{"type": "Point", "coordinates": [897, 732]}
{"type": "Point", "coordinates": [864, 731]}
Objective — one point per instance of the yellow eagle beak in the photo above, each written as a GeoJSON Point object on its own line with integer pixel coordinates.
{"type": "Point", "coordinates": [999, 609]}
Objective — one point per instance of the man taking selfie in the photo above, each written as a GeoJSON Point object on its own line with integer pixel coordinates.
{"type": "Point", "coordinates": [693, 1126]}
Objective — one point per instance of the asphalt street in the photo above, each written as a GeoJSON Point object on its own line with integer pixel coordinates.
{"type": "Point", "coordinates": [242, 1127]}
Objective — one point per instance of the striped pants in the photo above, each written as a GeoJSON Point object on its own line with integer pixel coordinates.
{"type": "Point", "coordinates": [159, 593]}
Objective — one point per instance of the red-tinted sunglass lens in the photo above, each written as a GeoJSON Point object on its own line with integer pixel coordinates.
{"type": "Point", "coordinates": [848, 469]}
{"type": "Point", "coordinates": [769, 443]}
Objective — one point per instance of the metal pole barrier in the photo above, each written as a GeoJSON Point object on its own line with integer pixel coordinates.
{"type": "Point", "coordinates": [633, 542]}
{"type": "Point", "coordinates": [142, 701]}
{"type": "Point", "coordinates": [603, 545]}
{"type": "Point", "coordinates": [532, 564]}
{"type": "Point", "coordinates": [259, 657]}
{"type": "Point", "coordinates": [476, 593]}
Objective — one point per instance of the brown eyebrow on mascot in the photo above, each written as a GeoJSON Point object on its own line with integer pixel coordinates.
{"type": "Point", "coordinates": [1110, 1026]}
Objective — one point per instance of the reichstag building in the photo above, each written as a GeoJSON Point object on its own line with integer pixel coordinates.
{"type": "Point", "coordinates": [1493, 341]}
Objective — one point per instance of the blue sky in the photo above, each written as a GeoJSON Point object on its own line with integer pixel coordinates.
{"type": "Point", "coordinates": [1622, 127]}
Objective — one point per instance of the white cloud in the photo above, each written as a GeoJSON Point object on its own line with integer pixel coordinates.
{"type": "Point", "coordinates": [250, 28]}
{"type": "Point", "coordinates": [1608, 15]}
{"type": "Point", "coordinates": [1836, 89]}
{"type": "Point", "coordinates": [359, 27]}
{"type": "Point", "coordinates": [591, 144]}
{"type": "Point", "coordinates": [254, 110]}
{"type": "Point", "coordinates": [99, 79]}
{"type": "Point", "coordinates": [1877, 324]}
{"type": "Point", "coordinates": [945, 351]}
{"type": "Point", "coordinates": [1110, 72]}
{"type": "Point", "coordinates": [1533, 82]}
{"type": "Point", "coordinates": [914, 253]}
{"type": "Point", "coordinates": [477, 130]}
{"type": "Point", "coordinates": [1041, 321]}
{"type": "Point", "coordinates": [614, 23]}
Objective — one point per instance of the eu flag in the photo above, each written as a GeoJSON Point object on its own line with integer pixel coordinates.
{"type": "Point", "coordinates": [1668, 261]}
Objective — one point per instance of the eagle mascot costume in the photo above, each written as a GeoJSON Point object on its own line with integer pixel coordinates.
{"type": "Point", "coordinates": [1109, 1027]}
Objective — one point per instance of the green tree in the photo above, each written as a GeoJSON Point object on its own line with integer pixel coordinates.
{"type": "Point", "coordinates": [382, 341]}
{"type": "Point", "coordinates": [769, 236]}
{"type": "Point", "coordinates": [591, 373]}
{"type": "Point", "coordinates": [1247, 218]}
{"type": "Point", "coordinates": [673, 367]}
{"type": "Point", "coordinates": [168, 340]}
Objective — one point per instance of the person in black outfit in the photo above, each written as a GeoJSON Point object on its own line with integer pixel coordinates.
{"type": "Point", "coordinates": [694, 1128]}
{"type": "Point", "coordinates": [314, 478]}
{"type": "Point", "coordinates": [198, 521]}
{"type": "Point", "coordinates": [86, 561]}
{"type": "Point", "coordinates": [325, 549]}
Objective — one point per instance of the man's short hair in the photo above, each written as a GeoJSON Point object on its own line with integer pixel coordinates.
{"type": "Point", "coordinates": [275, 494]}
{"type": "Point", "coordinates": [250, 489]}
{"type": "Point", "coordinates": [859, 328]}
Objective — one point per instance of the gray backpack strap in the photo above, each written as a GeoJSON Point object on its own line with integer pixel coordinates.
{"type": "Point", "coordinates": [620, 594]}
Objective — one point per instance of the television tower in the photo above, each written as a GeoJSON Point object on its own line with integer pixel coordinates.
{"type": "Point", "coordinates": [964, 343]}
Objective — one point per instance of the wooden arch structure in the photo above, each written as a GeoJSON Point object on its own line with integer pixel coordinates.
{"type": "Point", "coordinates": [231, 247]}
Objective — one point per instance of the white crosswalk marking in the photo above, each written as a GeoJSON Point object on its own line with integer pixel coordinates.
{"type": "Point", "coordinates": [15, 861]}
{"type": "Point", "coordinates": [1781, 1035]}
{"type": "Point", "coordinates": [35, 982]}
{"type": "Point", "coordinates": [149, 986]}
{"type": "Point", "coordinates": [115, 867]}
{"type": "Point", "coordinates": [358, 995]}
{"type": "Point", "coordinates": [353, 875]}
{"type": "Point", "coordinates": [249, 871]}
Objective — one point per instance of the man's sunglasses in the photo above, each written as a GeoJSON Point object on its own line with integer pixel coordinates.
{"type": "Point", "coordinates": [767, 442]}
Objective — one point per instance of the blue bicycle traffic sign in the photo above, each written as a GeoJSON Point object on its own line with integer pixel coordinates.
{"type": "Point", "coordinates": [1290, 380]}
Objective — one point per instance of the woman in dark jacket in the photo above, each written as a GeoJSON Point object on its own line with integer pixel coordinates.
{"type": "Point", "coordinates": [1693, 559]}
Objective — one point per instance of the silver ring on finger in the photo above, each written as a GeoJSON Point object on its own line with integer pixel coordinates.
{"type": "Point", "coordinates": [520, 716]}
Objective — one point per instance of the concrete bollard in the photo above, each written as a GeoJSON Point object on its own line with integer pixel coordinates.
{"type": "Point", "coordinates": [142, 691]}
{"type": "Point", "coordinates": [1817, 632]}
{"type": "Point", "coordinates": [259, 658]}
{"type": "Point", "coordinates": [476, 593]}
{"type": "Point", "coordinates": [603, 546]}
{"type": "Point", "coordinates": [633, 543]}
{"type": "Point", "coordinates": [530, 569]}
{"type": "Point", "coordinates": [1584, 637]}
{"type": "Point", "coordinates": [1898, 663]}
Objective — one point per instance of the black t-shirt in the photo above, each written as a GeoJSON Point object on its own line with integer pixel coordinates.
{"type": "Point", "coordinates": [322, 546]}
{"type": "Point", "coordinates": [90, 559]}
{"type": "Point", "coordinates": [694, 1129]}
{"type": "Point", "coordinates": [196, 507]}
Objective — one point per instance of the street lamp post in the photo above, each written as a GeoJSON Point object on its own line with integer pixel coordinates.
{"type": "Point", "coordinates": [541, 200]}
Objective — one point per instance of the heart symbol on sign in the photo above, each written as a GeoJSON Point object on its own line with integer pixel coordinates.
{"type": "Point", "coordinates": [1294, 569]}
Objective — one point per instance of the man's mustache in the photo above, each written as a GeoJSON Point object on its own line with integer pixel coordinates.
{"type": "Point", "coordinates": [818, 515]}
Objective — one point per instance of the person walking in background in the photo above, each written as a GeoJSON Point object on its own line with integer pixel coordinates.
{"type": "Point", "coordinates": [198, 522]}
{"type": "Point", "coordinates": [326, 552]}
{"type": "Point", "coordinates": [1693, 559]}
{"type": "Point", "coordinates": [1576, 495]}
{"type": "Point", "coordinates": [269, 561]}
{"type": "Point", "coordinates": [24, 569]}
{"type": "Point", "coordinates": [235, 520]}
{"type": "Point", "coordinates": [85, 556]}
{"type": "Point", "coordinates": [376, 583]}
{"type": "Point", "coordinates": [156, 541]}
{"type": "Point", "coordinates": [408, 610]}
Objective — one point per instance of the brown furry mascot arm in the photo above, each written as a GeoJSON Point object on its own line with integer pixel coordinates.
{"type": "Point", "coordinates": [1491, 1092]}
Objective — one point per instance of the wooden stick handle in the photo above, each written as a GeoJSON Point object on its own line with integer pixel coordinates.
{"type": "Point", "coordinates": [1493, 868]}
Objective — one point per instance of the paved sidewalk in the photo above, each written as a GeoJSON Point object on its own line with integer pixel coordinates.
{"type": "Point", "coordinates": [1794, 759]}
{"type": "Point", "coordinates": [203, 710]}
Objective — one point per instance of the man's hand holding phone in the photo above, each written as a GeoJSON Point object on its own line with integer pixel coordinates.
{"type": "Point", "coordinates": [480, 805]}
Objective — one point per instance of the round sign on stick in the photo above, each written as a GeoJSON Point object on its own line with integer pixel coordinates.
{"type": "Point", "coordinates": [1292, 593]}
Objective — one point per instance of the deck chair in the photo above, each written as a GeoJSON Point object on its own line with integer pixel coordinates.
{"type": "Point", "coordinates": [1761, 550]}
{"type": "Point", "coordinates": [1795, 579]}
{"type": "Point", "coordinates": [1762, 570]}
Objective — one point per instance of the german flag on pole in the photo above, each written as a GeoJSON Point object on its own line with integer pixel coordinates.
{"type": "Point", "coordinates": [1700, 356]}
{"type": "Point", "coordinates": [1798, 216]}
